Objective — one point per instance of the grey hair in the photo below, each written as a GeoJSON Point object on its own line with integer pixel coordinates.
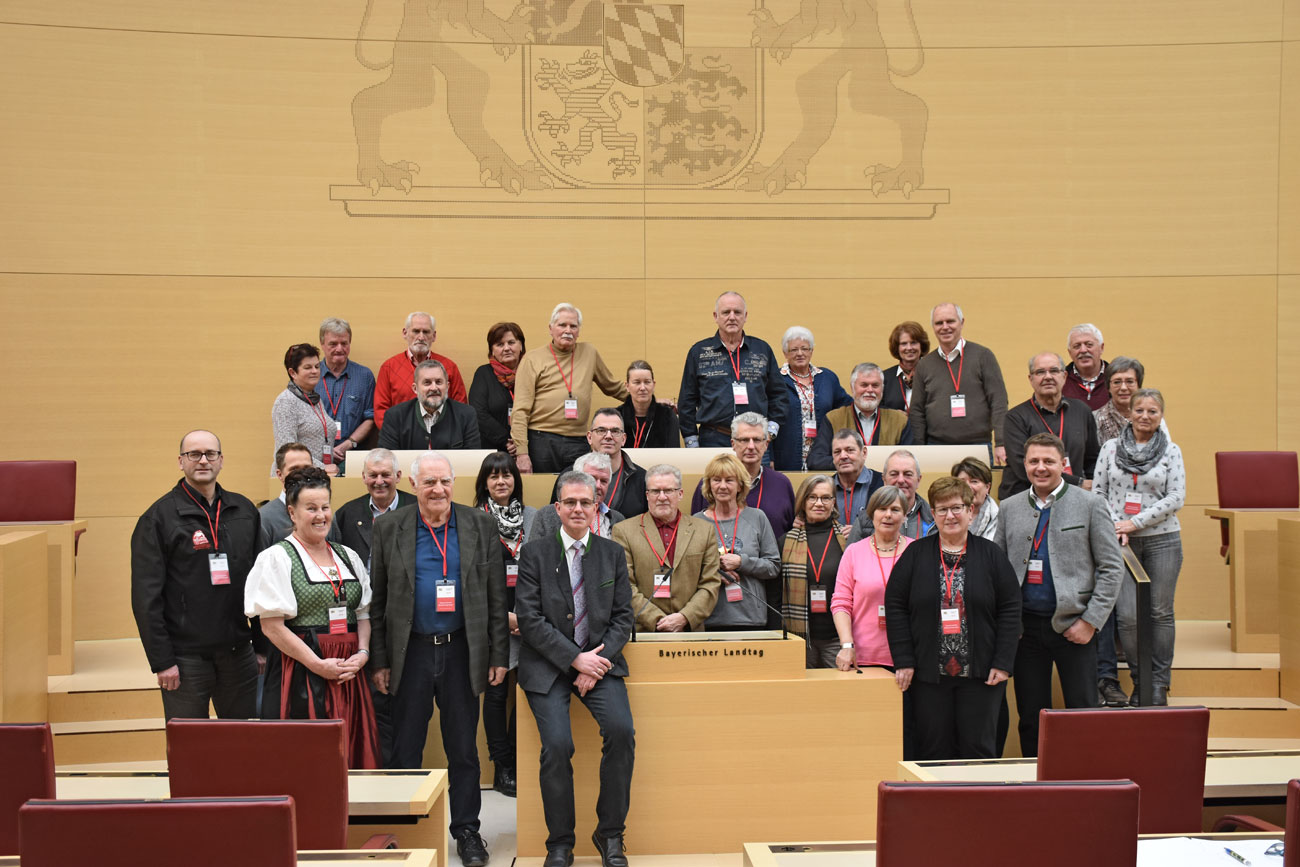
{"type": "Point", "coordinates": [848, 433]}
{"type": "Point", "coordinates": [1059, 360]}
{"type": "Point", "coordinates": [864, 367]}
{"type": "Point", "coordinates": [797, 332]}
{"type": "Point", "coordinates": [1086, 328]}
{"type": "Point", "coordinates": [576, 477]}
{"type": "Point", "coordinates": [425, 365]}
{"type": "Point", "coordinates": [410, 317]}
{"type": "Point", "coordinates": [883, 497]}
{"type": "Point", "coordinates": [665, 470]}
{"type": "Point", "coordinates": [718, 300]}
{"type": "Point", "coordinates": [599, 460]}
{"type": "Point", "coordinates": [1121, 364]}
{"type": "Point", "coordinates": [380, 456]}
{"type": "Point", "coordinates": [916, 465]}
{"type": "Point", "coordinates": [749, 418]}
{"type": "Point", "coordinates": [956, 307]}
{"type": "Point", "coordinates": [565, 307]}
{"type": "Point", "coordinates": [1149, 394]}
{"type": "Point", "coordinates": [429, 457]}
{"type": "Point", "coordinates": [334, 325]}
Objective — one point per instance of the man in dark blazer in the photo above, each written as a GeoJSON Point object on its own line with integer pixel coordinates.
{"type": "Point", "coordinates": [431, 420]}
{"type": "Point", "coordinates": [439, 631]}
{"type": "Point", "coordinates": [355, 519]}
{"type": "Point", "coordinates": [573, 602]}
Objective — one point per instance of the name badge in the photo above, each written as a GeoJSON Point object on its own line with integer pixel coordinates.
{"type": "Point", "coordinates": [663, 585]}
{"type": "Point", "coordinates": [338, 620]}
{"type": "Point", "coordinates": [817, 596]}
{"type": "Point", "coordinates": [338, 430]}
{"type": "Point", "coordinates": [446, 597]}
{"type": "Point", "coordinates": [810, 430]}
{"type": "Point", "coordinates": [958, 402]}
{"type": "Point", "coordinates": [950, 618]}
{"type": "Point", "coordinates": [218, 568]}
{"type": "Point", "coordinates": [880, 616]}
{"type": "Point", "coordinates": [734, 593]}
{"type": "Point", "coordinates": [740, 393]}
{"type": "Point", "coordinates": [512, 575]}
{"type": "Point", "coordinates": [1035, 573]}
{"type": "Point", "coordinates": [327, 457]}
{"type": "Point", "coordinates": [571, 408]}
{"type": "Point", "coordinates": [510, 410]}
{"type": "Point", "coordinates": [1065, 467]}
{"type": "Point", "coordinates": [1132, 503]}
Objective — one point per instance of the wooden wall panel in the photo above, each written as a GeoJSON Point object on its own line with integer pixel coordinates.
{"type": "Point", "coordinates": [1288, 362]}
{"type": "Point", "coordinates": [1288, 235]}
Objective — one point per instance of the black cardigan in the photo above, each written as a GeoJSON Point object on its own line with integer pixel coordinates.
{"type": "Point", "coordinates": [992, 608]}
{"type": "Point", "coordinates": [663, 432]}
{"type": "Point", "coordinates": [491, 401]}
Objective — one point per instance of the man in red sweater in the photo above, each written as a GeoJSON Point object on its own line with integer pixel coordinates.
{"type": "Point", "coordinates": [393, 385]}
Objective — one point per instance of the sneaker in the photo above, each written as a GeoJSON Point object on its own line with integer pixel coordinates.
{"type": "Point", "coordinates": [1110, 693]}
{"type": "Point", "coordinates": [471, 849]}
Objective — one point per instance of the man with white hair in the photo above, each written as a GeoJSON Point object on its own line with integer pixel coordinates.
{"type": "Point", "coordinates": [439, 632]}
{"type": "Point", "coordinates": [553, 396]}
{"type": "Point", "coordinates": [396, 374]}
{"type": "Point", "coordinates": [1085, 375]}
{"type": "Point", "coordinates": [958, 395]}
{"type": "Point", "coordinates": [903, 471]}
{"type": "Point", "coordinates": [728, 374]}
{"type": "Point", "coordinates": [874, 424]}
{"type": "Point", "coordinates": [346, 389]}
{"type": "Point", "coordinates": [597, 465]}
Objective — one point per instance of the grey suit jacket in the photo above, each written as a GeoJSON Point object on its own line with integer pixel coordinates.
{"type": "Point", "coordinates": [1087, 566]}
{"type": "Point", "coordinates": [483, 591]}
{"type": "Point", "coordinates": [356, 527]}
{"type": "Point", "coordinates": [544, 606]}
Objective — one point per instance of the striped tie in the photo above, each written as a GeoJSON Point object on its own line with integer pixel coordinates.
{"type": "Point", "coordinates": [579, 598]}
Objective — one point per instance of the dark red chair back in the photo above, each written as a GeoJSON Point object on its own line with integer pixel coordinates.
{"type": "Point", "coordinates": [26, 772]}
{"type": "Point", "coordinates": [1162, 749]}
{"type": "Point", "coordinates": [210, 758]}
{"type": "Point", "coordinates": [197, 832]}
{"type": "Point", "coordinates": [1291, 858]}
{"type": "Point", "coordinates": [50, 486]}
{"type": "Point", "coordinates": [1257, 480]}
{"type": "Point", "coordinates": [996, 824]}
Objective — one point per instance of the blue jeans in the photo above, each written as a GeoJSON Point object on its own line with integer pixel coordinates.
{"type": "Point", "coordinates": [1107, 659]}
{"type": "Point", "coordinates": [1162, 557]}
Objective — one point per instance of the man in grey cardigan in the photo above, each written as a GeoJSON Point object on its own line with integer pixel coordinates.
{"type": "Point", "coordinates": [1061, 543]}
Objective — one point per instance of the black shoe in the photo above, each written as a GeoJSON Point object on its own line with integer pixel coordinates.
{"type": "Point", "coordinates": [558, 858]}
{"type": "Point", "coordinates": [1110, 693]}
{"type": "Point", "coordinates": [610, 849]}
{"type": "Point", "coordinates": [471, 849]}
{"type": "Point", "coordinates": [503, 781]}
{"type": "Point", "coordinates": [1159, 696]}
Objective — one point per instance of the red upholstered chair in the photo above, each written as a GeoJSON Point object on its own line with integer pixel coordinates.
{"type": "Point", "coordinates": [303, 758]}
{"type": "Point", "coordinates": [1077, 824]}
{"type": "Point", "coordinates": [197, 832]}
{"type": "Point", "coordinates": [26, 772]}
{"type": "Point", "coordinates": [1162, 749]}
{"type": "Point", "coordinates": [56, 481]}
{"type": "Point", "coordinates": [1256, 480]}
{"type": "Point", "coordinates": [1235, 822]}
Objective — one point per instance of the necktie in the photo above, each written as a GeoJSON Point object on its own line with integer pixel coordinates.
{"type": "Point", "coordinates": [579, 598]}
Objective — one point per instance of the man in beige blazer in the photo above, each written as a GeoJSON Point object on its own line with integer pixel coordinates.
{"type": "Point", "coordinates": [672, 559]}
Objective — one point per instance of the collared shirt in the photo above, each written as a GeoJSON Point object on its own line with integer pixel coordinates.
{"type": "Point", "coordinates": [852, 502]}
{"type": "Point", "coordinates": [375, 511]}
{"type": "Point", "coordinates": [957, 350]}
{"type": "Point", "coordinates": [867, 423]}
{"type": "Point", "coordinates": [428, 574]}
{"type": "Point", "coordinates": [349, 397]}
{"type": "Point", "coordinates": [668, 535]}
{"type": "Point", "coordinates": [430, 419]}
{"type": "Point", "coordinates": [1051, 498]}
{"type": "Point", "coordinates": [568, 541]}
{"type": "Point", "coordinates": [602, 524]}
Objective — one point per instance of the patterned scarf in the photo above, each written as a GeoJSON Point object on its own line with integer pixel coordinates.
{"type": "Point", "coordinates": [505, 375]}
{"type": "Point", "coordinates": [312, 397]}
{"type": "Point", "coordinates": [509, 518]}
{"type": "Point", "coordinates": [794, 576]}
{"type": "Point", "coordinates": [1141, 459]}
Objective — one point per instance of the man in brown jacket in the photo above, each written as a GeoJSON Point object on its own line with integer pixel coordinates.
{"type": "Point", "coordinates": [876, 425]}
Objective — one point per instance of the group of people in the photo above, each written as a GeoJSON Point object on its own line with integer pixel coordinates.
{"type": "Point", "coordinates": [399, 602]}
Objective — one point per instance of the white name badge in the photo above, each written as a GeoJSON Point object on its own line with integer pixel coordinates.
{"type": "Point", "coordinates": [338, 620]}
{"type": "Point", "coordinates": [1132, 503]}
{"type": "Point", "coordinates": [951, 620]}
{"type": "Point", "coordinates": [512, 575]}
{"type": "Point", "coordinates": [1035, 573]}
{"type": "Point", "coordinates": [810, 430]}
{"type": "Point", "coordinates": [571, 408]}
{"type": "Point", "coordinates": [958, 402]}
{"type": "Point", "coordinates": [663, 585]}
{"type": "Point", "coordinates": [338, 430]}
{"type": "Point", "coordinates": [817, 596]}
{"type": "Point", "coordinates": [880, 616]}
{"type": "Point", "coordinates": [446, 597]}
{"type": "Point", "coordinates": [1066, 467]}
{"type": "Point", "coordinates": [740, 393]}
{"type": "Point", "coordinates": [734, 593]}
{"type": "Point", "coordinates": [510, 410]}
{"type": "Point", "coordinates": [218, 568]}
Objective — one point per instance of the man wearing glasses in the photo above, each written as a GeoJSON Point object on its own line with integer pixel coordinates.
{"type": "Point", "coordinates": [903, 472]}
{"type": "Point", "coordinates": [769, 490]}
{"type": "Point", "coordinates": [672, 559]}
{"type": "Point", "coordinates": [625, 492]}
{"type": "Point", "coordinates": [190, 554]}
{"type": "Point", "coordinates": [1050, 411]}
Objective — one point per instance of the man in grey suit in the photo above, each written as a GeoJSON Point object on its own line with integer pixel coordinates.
{"type": "Point", "coordinates": [439, 632]}
{"type": "Point", "coordinates": [1061, 542]}
{"type": "Point", "coordinates": [573, 602]}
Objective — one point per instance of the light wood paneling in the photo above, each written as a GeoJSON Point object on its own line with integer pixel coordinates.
{"type": "Point", "coordinates": [1288, 359]}
{"type": "Point", "coordinates": [24, 565]}
{"type": "Point", "coordinates": [1288, 614]}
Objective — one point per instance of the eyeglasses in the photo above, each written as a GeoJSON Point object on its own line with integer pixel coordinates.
{"type": "Point", "coordinates": [577, 504]}
{"type": "Point", "coordinates": [820, 498]}
{"type": "Point", "coordinates": [1050, 371]}
{"type": "Point", "coordinates": [608, 431]}
{"type": "Point", "coordinates": [661, 492]}
{"type": "Point", "coordinates": [749, 441]}
{"type": "Point", "coordinates": [943, 511]}
{"type": "Point", "coordinates": [210, 455]}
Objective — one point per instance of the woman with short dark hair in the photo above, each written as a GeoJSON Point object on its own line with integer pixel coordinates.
{"type": "Point", "coordinates": [908, 342]}
{"type": "Point", "coordinates": [492, 393]}
{"type": "Point", "coordinates": [297, 415]}
{"type": "Point", "coordinates": [649, 423]}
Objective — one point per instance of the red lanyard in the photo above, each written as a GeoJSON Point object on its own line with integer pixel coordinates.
{"type": "Point", "coordinates": [734, 523]}
{"type": "Point", "coordinates": [1042, 533]}
{"type": "Point", "coordinates": [335, 404]}
{"type": "Point", "coordinates": [324, 423]}
{"type": "Point", "coordinates": [884, 576]}
{"type": "Point", "coordinates": [618, 477]}
{"type": "Point", "coordinates": [568, 380]}
{"type": "Point", "coordinates": [1060, 429]}
{"type": "Point", "coordinates": [875, 426]}
{"type": "Point", "coordinates": [337, 588]}
{"type": "Point", "coordinates": [817, 566]}
{"type": "Point", "coordinates": [442, 546]}
{"type": "Point", "coordinates": [211, 526]}
{"type": "Point", "coordinates": [848, 503]}
{"type": "Point", "coordinates": [639, 431]}
{"type": "Point", "coordinates": [947, 573]}
{"type": "Point", "coordinates": [806, 389]}
{"type": "Point", "coordinates": [759, 504]}
{"type": "Point", "coordinates": [961, 361]}
{"type": "Point", "coordinates": [1135, 481]}
{"type": "Point", "coordinates": [663, 561]}
{"type": "Point", "coordinates": [734, 359]}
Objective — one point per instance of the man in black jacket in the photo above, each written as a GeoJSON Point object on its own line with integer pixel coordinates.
{"type": "Point", "coordinates": [190, 554]}
{"type": "Point", "coordinates": [355, 519]}
{"type": "Point", "coordinates": [431, 420]}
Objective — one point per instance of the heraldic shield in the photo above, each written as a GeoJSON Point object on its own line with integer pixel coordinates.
{"type": "Point", "coordinates": [614, 96]}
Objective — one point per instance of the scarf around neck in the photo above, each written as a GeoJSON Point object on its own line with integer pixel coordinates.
{"type": "Point", "coordinates": [312, 397]}
{"type": "Point", "coordinates": [1140, 459]}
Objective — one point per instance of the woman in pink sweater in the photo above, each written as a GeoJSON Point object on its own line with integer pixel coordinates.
{"type": "Point", "coordinates": [858, 605]}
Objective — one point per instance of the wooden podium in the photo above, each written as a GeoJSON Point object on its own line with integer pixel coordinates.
{"type": "Point", "coordinates": [24, 592]}
{"type": "Point", "coordinates": [735, 741]}
{"type": "Point", "coordinates": [1253, 576]}
{"type": "Point", "coordinates": [61, 536]}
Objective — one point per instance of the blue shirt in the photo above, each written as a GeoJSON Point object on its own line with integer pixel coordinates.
{"type": "Point", "coordinates": [1040, 598]}
{"type": "Point", "coordinates": [856, 500]}
{"type": "Point", "coordinates": [428, 572]}
{"type": "Point", "coordinates": [349, 398]}
{"type": "Point", "coordinates": [705, 396]}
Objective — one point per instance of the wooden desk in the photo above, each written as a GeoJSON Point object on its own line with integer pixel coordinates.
{"type": "Point", "coordinates": [61, 536]}
{"type": "Point", "coordinates": [410, 804]}
{"type": "Point", "coordinates": [1288, 608]}
{"type": "Point", "coordinates": [1252, 576]}
{"type": "Point", "coordinates": [23, 598]}
{"type": "Point", "coordinates": [338, 858]}
{"type": "Point", "coordinates": [1230, 777]}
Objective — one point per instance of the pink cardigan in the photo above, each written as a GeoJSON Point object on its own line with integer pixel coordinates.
{"type": "Point", "coordinates": [860, 590]}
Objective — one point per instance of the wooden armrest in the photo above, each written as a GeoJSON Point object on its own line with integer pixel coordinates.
{"type": "Point", "coordinates": [381, 841]}
{"type": "Point", "coordinates": [1233, 822]}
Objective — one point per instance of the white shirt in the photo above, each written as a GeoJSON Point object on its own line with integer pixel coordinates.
{"type": "Point", "coordinates": [430, 419]}
{"type": "Point", "coordinates": [950, 358]}
{"type": "Point", "coordinates": [1051, 498]}
{"type": "Point", "coordinates": [268, 590]}
{"type": "Point", "coordinates": [569, 542]}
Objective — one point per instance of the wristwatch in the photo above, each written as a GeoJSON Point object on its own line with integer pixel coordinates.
{"type": "Point", "coordinates": [848, 645]}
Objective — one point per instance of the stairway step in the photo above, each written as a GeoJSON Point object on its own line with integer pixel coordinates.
{"type": "Point", "coordinates": [1265, 682]}
{"type": "Point", "coordinates": [1247, 716]}
{"type": "Point", "coordinates": [108, 704]}
{"type": "Point", "coordinates": [86, 742]}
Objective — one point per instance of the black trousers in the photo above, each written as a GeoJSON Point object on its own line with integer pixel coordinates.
{"type": "Point", "coordinates": [956, 718]}
{"type": "Point", "coordinates": [499, 721]}
{"type": "Point", "coordinates": [554, 453]}
{"type": "Point", "coordinates": [607, 701]}
{"type": "Point", "coordinates": [1040, 648]}
{"type": "Point", "coordinates": [227, 678]}
{"type": "Point", "coordinates": [441, 673]}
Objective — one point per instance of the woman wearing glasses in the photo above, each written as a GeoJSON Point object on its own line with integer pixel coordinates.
{"type": "Point", "coordinates": [298, 416]}
{"type": "Point", "coordinates": [810, 560]}
{"type": "Point", "coordinates": [952, 614]}
{"type": "Point", "coordinates": [746, 547]}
